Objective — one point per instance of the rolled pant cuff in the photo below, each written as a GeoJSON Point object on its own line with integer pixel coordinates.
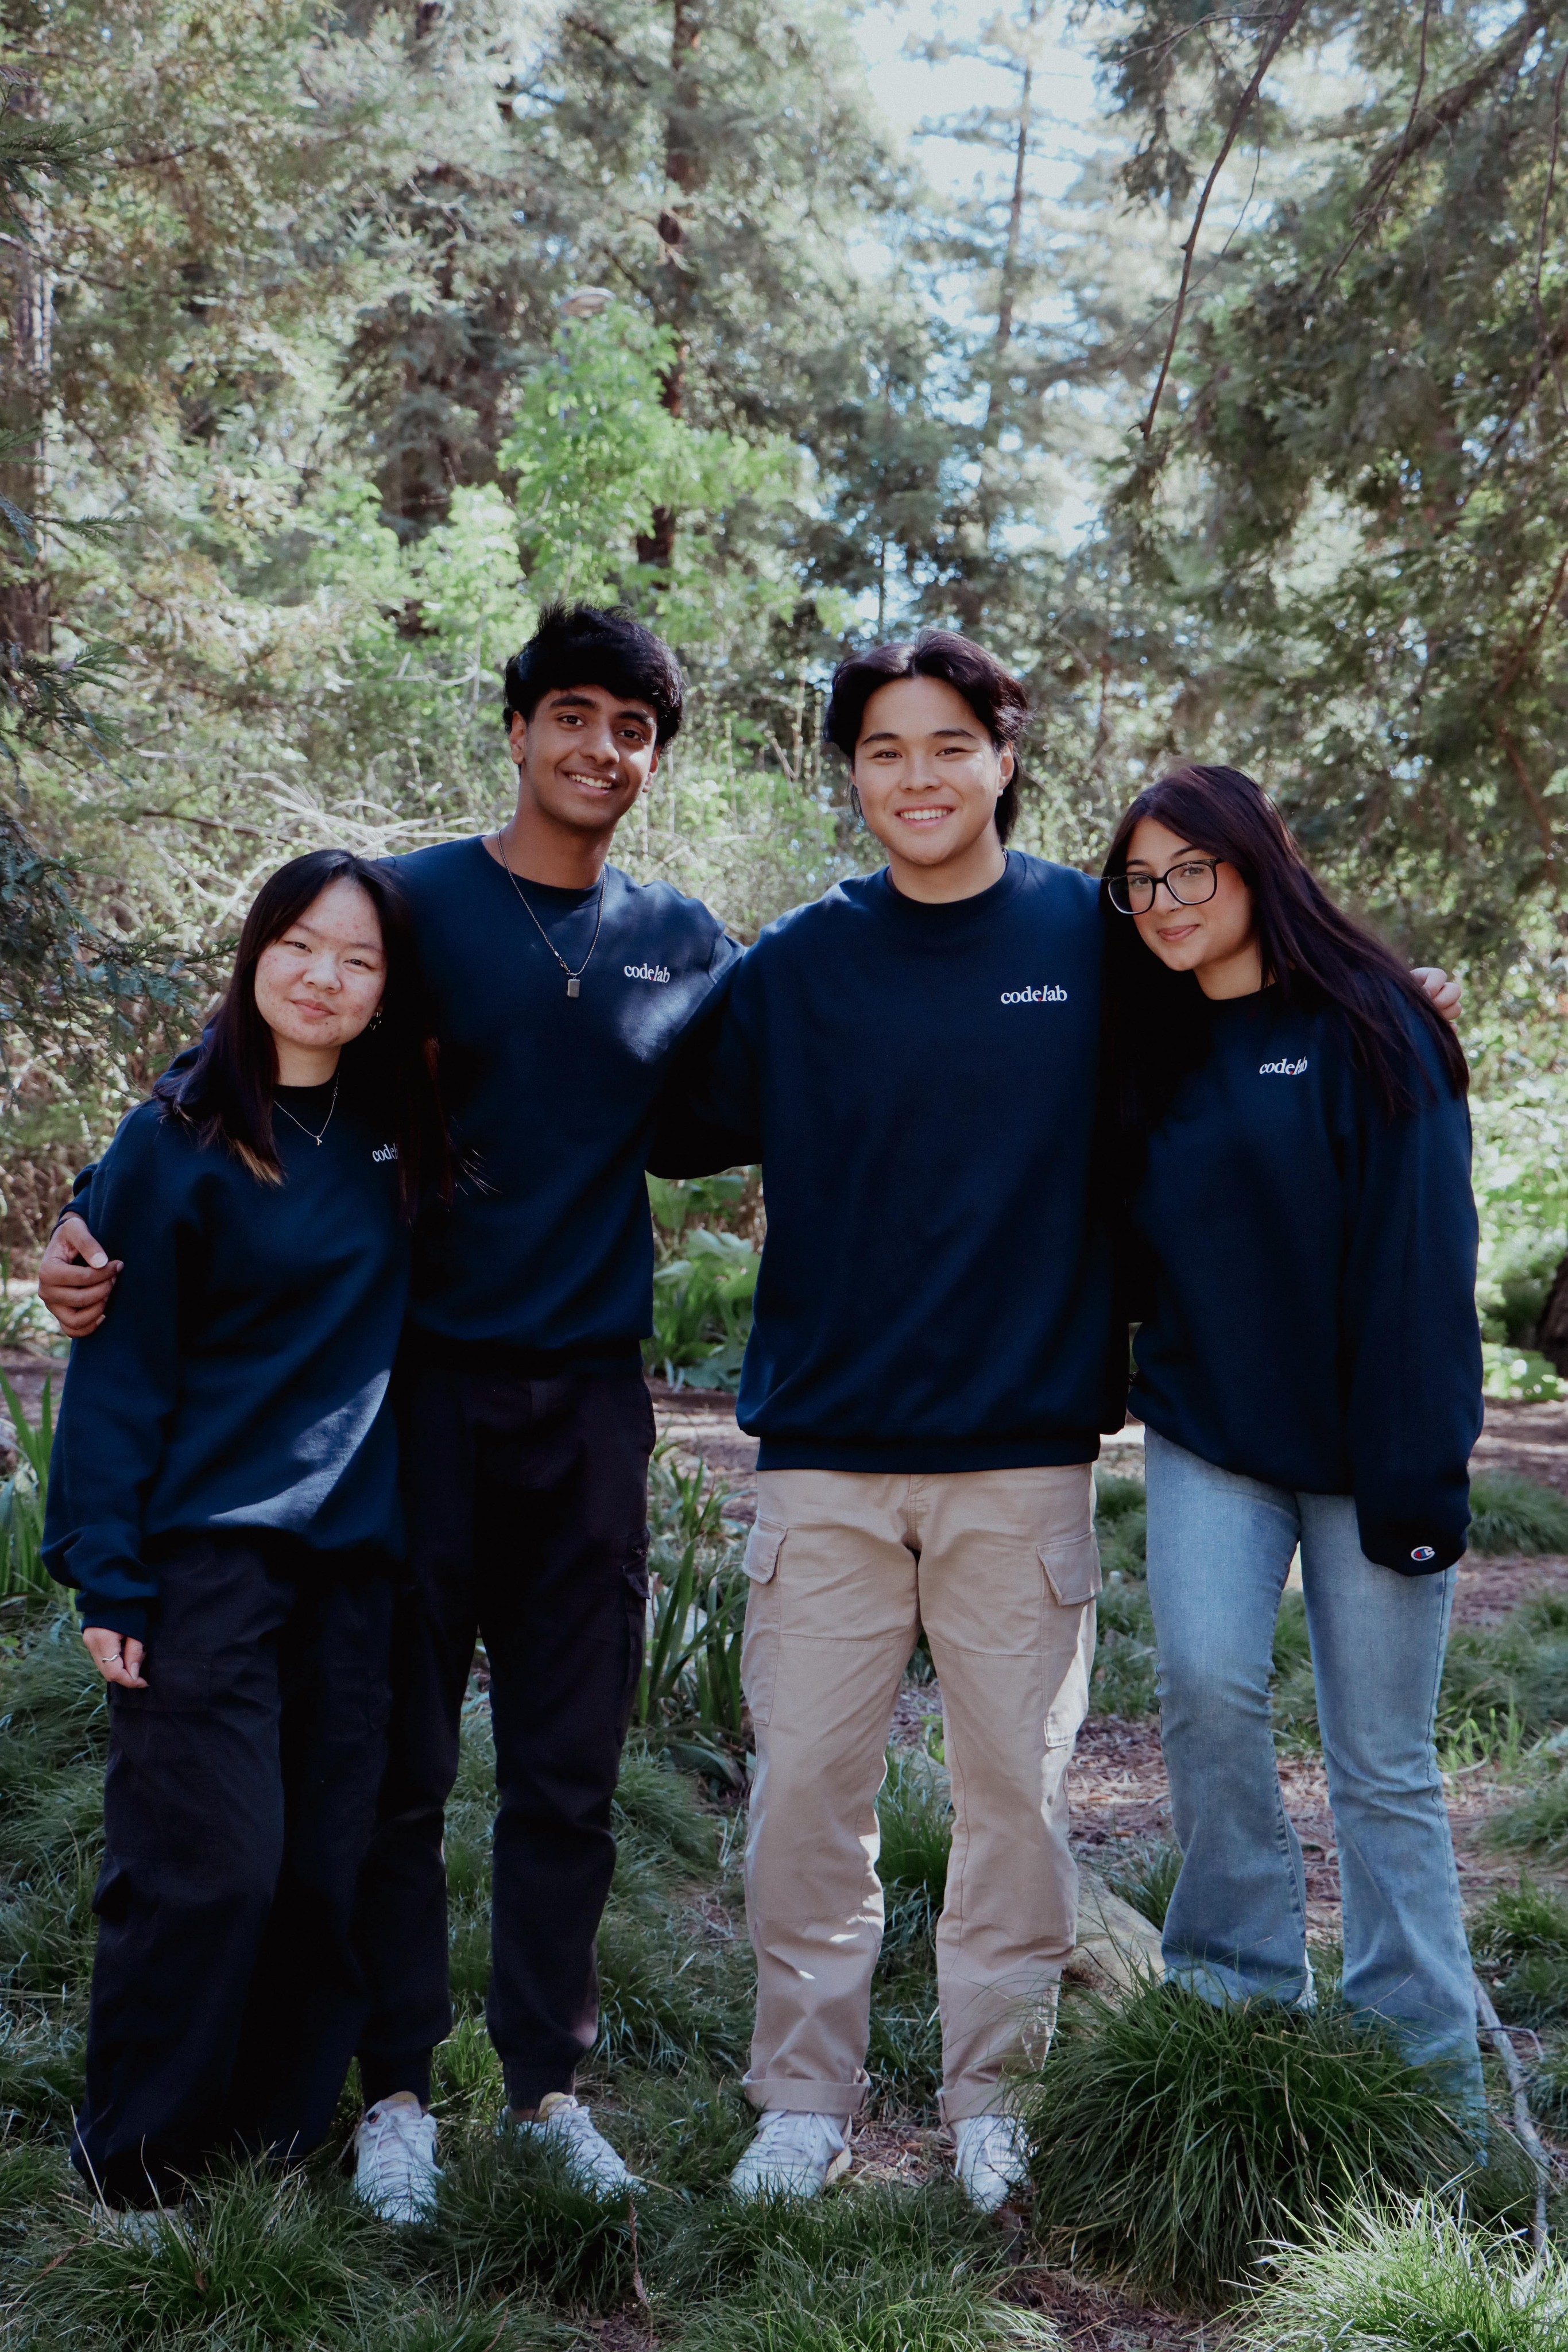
{"type": "Point", "coordinates": [809, 2098]}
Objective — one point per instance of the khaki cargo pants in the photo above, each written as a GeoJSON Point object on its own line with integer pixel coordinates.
{"type": "Point", "coordinates": [1000, 1568]}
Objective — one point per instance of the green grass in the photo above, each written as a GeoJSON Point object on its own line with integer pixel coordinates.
{"type": "Point", "coordinates": [1146, 1878]}
{"type": "Point", "coordinates": [518, 2257]}
{"type": "Point", "coordinates": [1173, 2143]}
{"type": "Point", "coordinates": [1124, 1680]}
{"type": "Point", "coordinates": [1511, 1514]}
{"type": "Point", "coordinates": [1520, 1944]}
{"type": "Point", "coordinates": [1410, 2277]}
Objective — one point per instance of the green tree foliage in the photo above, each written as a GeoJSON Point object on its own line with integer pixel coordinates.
{"type": "Point", "coordinates": [1348, 505]}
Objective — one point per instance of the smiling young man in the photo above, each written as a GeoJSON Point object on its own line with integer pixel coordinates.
{"type": "Point", "coordinates": [561, 989]}
{"type": "Point", "coordinates": [916, 1060]}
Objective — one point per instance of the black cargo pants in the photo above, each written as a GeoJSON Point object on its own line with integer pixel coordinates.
{"type": "Point", "coordinates": [239, 1802]}
{"type": "Point", "coordinates": [526, 1504]}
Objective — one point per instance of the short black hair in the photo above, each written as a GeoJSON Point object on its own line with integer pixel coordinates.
{"type": "Point", "coordinates": [999, 700]}
{"type": "Point", "coordinates": [583, 645]}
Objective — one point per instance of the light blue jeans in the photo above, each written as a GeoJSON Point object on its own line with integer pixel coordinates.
{"type": "Point", "coordinates": [1219, 1551]}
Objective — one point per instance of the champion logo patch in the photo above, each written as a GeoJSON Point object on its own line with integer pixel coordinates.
{"type": "Point", "coordinates": [1046, 995]}
{"type": "Point", "coordinates": [654, 972]}
{"type": "Point", "coordinates": [384, 1153]}
{"type": "Point", "coordinates": [1425, 1552]}
{"type": "Point", "coordinates": [1281, 1069]}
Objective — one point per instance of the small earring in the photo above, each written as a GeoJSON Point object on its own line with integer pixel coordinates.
{"type": "Point", "coordinates": [856, 805]}
{"type": "Point", "coordinates": [376, 1018]}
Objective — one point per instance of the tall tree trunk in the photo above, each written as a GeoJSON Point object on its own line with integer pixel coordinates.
{"type": "Point", "coordinates": [1008, 294]}
{"type": "Point", "coordinates": [683, 172]}
{"type": "Point", "coordinates": [25, 405]}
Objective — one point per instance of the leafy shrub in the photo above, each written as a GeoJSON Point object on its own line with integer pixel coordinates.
{"type": "Point", "coordinates": [1511, 1514]}
{"type": "Point", "coordinates": [702, 1311]}
{"type": "Point", "coordinates": [1523, 1375]}
{"type": "Point", "coordinates": [1174, 2142]}
{"type": "Point", "coordinates": [1412, 2277]}
{"type": "Point", "coordinates": [1146, 1879]}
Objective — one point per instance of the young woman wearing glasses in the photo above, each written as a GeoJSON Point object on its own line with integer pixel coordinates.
{"type": "Point", "coordinates": [1308, 1368]}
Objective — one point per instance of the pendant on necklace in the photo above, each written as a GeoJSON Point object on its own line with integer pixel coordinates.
{"type": "Point", "coordinates": [573, 988]}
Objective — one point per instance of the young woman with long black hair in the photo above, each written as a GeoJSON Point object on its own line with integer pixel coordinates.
{"type": "Point", "coordinates": [224, 1495]}
{"type": "Point", "coordinates": [1309, 1373]}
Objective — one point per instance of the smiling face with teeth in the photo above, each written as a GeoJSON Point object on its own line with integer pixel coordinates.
{"type": "Point", "coordinates": [582, 758]}
{"type": "Point", "coordinates": [929, 778]}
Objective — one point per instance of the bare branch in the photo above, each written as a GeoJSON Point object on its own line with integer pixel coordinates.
{"type": "Point", "coordinates": [1283, 28]}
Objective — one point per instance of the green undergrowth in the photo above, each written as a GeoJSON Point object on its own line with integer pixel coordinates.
{"type": "Point", "coordinates": [518, 2255]}
{"type": "Point", "coordinates": [1411, 2276]}
{"type": "Point", "coordinates": [1509, 1513]}
{"type": "Point", "coordinates": [1124, 1682]}
{"type": "Point", "coordinates": [1176, 2142]}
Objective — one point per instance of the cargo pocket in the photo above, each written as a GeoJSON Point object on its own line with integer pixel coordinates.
{"type": "Point", "coordinates": [1071, 1569]}
{"type": "Point", "coordinates": [759, 1647]}
{"type": "Point", "coordinates": [163, 1791]}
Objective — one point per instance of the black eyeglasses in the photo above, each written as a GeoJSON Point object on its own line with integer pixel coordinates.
{"type": "Point", "coordinates": [1189, 884]}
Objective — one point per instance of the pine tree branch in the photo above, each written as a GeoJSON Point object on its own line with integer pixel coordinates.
{"type": "Point", "coordinates": [1284, 26]}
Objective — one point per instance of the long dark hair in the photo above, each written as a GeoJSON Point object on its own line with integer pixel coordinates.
{"type": "Point", "coordinates": [388, 1072]}
{"type": "Point", "coordinates": [999, 700]}
{"type": "Point", "coordinates": [1311, 952]}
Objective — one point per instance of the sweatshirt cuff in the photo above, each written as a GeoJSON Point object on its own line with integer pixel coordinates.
{"type": "Point", "coordinates": [127, 1618]}
{"type": "Point", "coordinates": [1409, 1546]}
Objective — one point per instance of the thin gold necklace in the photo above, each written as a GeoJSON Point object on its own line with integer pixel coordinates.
{"type": "Point", "coordinates": [573, 979]}
{"type": "Point", "coordinates": [313, 1133]}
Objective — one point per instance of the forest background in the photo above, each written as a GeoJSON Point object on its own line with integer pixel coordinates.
{"type": "Point", "coordinates": [1248, 443]}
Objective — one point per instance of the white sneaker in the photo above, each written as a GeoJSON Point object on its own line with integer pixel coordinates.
{"type": "Point", "coordinates": [137, 2225]}
{"type": "Point", "coordinates": [395, 2171]}
{"type": "Point", "coordinates": [793, 2154]}
{"type": "Point", "coordinates": [993, 2159]}
{"type": "Point", "coordinates": [566, 2124]}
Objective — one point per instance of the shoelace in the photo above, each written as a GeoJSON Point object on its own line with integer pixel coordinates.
{"type": "Point", "coordinates": [785, 2133]}
{"type": "Point", "coordinates": [398, 2139]}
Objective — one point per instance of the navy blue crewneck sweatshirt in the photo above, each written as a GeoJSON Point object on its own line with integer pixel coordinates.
{"type": "Point", "coordinates": [921, 1081]}
{"type": "Point", "coordinates": [240, 1377]}
{"type": "Point", "coordinates": [546, 1255]}
{"type": "Point", "coordinates": [1310, 1268]}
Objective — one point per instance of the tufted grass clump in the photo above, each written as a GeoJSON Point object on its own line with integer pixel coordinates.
{"type": "Point", "coordinates": [1513, 1514]}
{"type": "Point", "coordinates": [1410, 2277]}
{"type": "Point", "coordinates": [252, 2263]}
{"type": "Point", "coordinates": [1145, 1877]}
{"type": "Point", "coordinates": [1174, 2142]}
{"type": "Point", "coordinates": [1519, 1940]}
{"type": "Point", "coordinates": [1538, 1824]}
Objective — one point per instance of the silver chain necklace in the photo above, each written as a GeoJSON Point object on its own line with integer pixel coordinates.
{"type": "Point", "coordinates": [573, 979]}
{"type": "Point", "coordinates": [313, 1133]}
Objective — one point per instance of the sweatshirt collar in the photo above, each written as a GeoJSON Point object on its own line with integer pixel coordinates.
{"type": "Point", "coordinates": [949, 914]}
